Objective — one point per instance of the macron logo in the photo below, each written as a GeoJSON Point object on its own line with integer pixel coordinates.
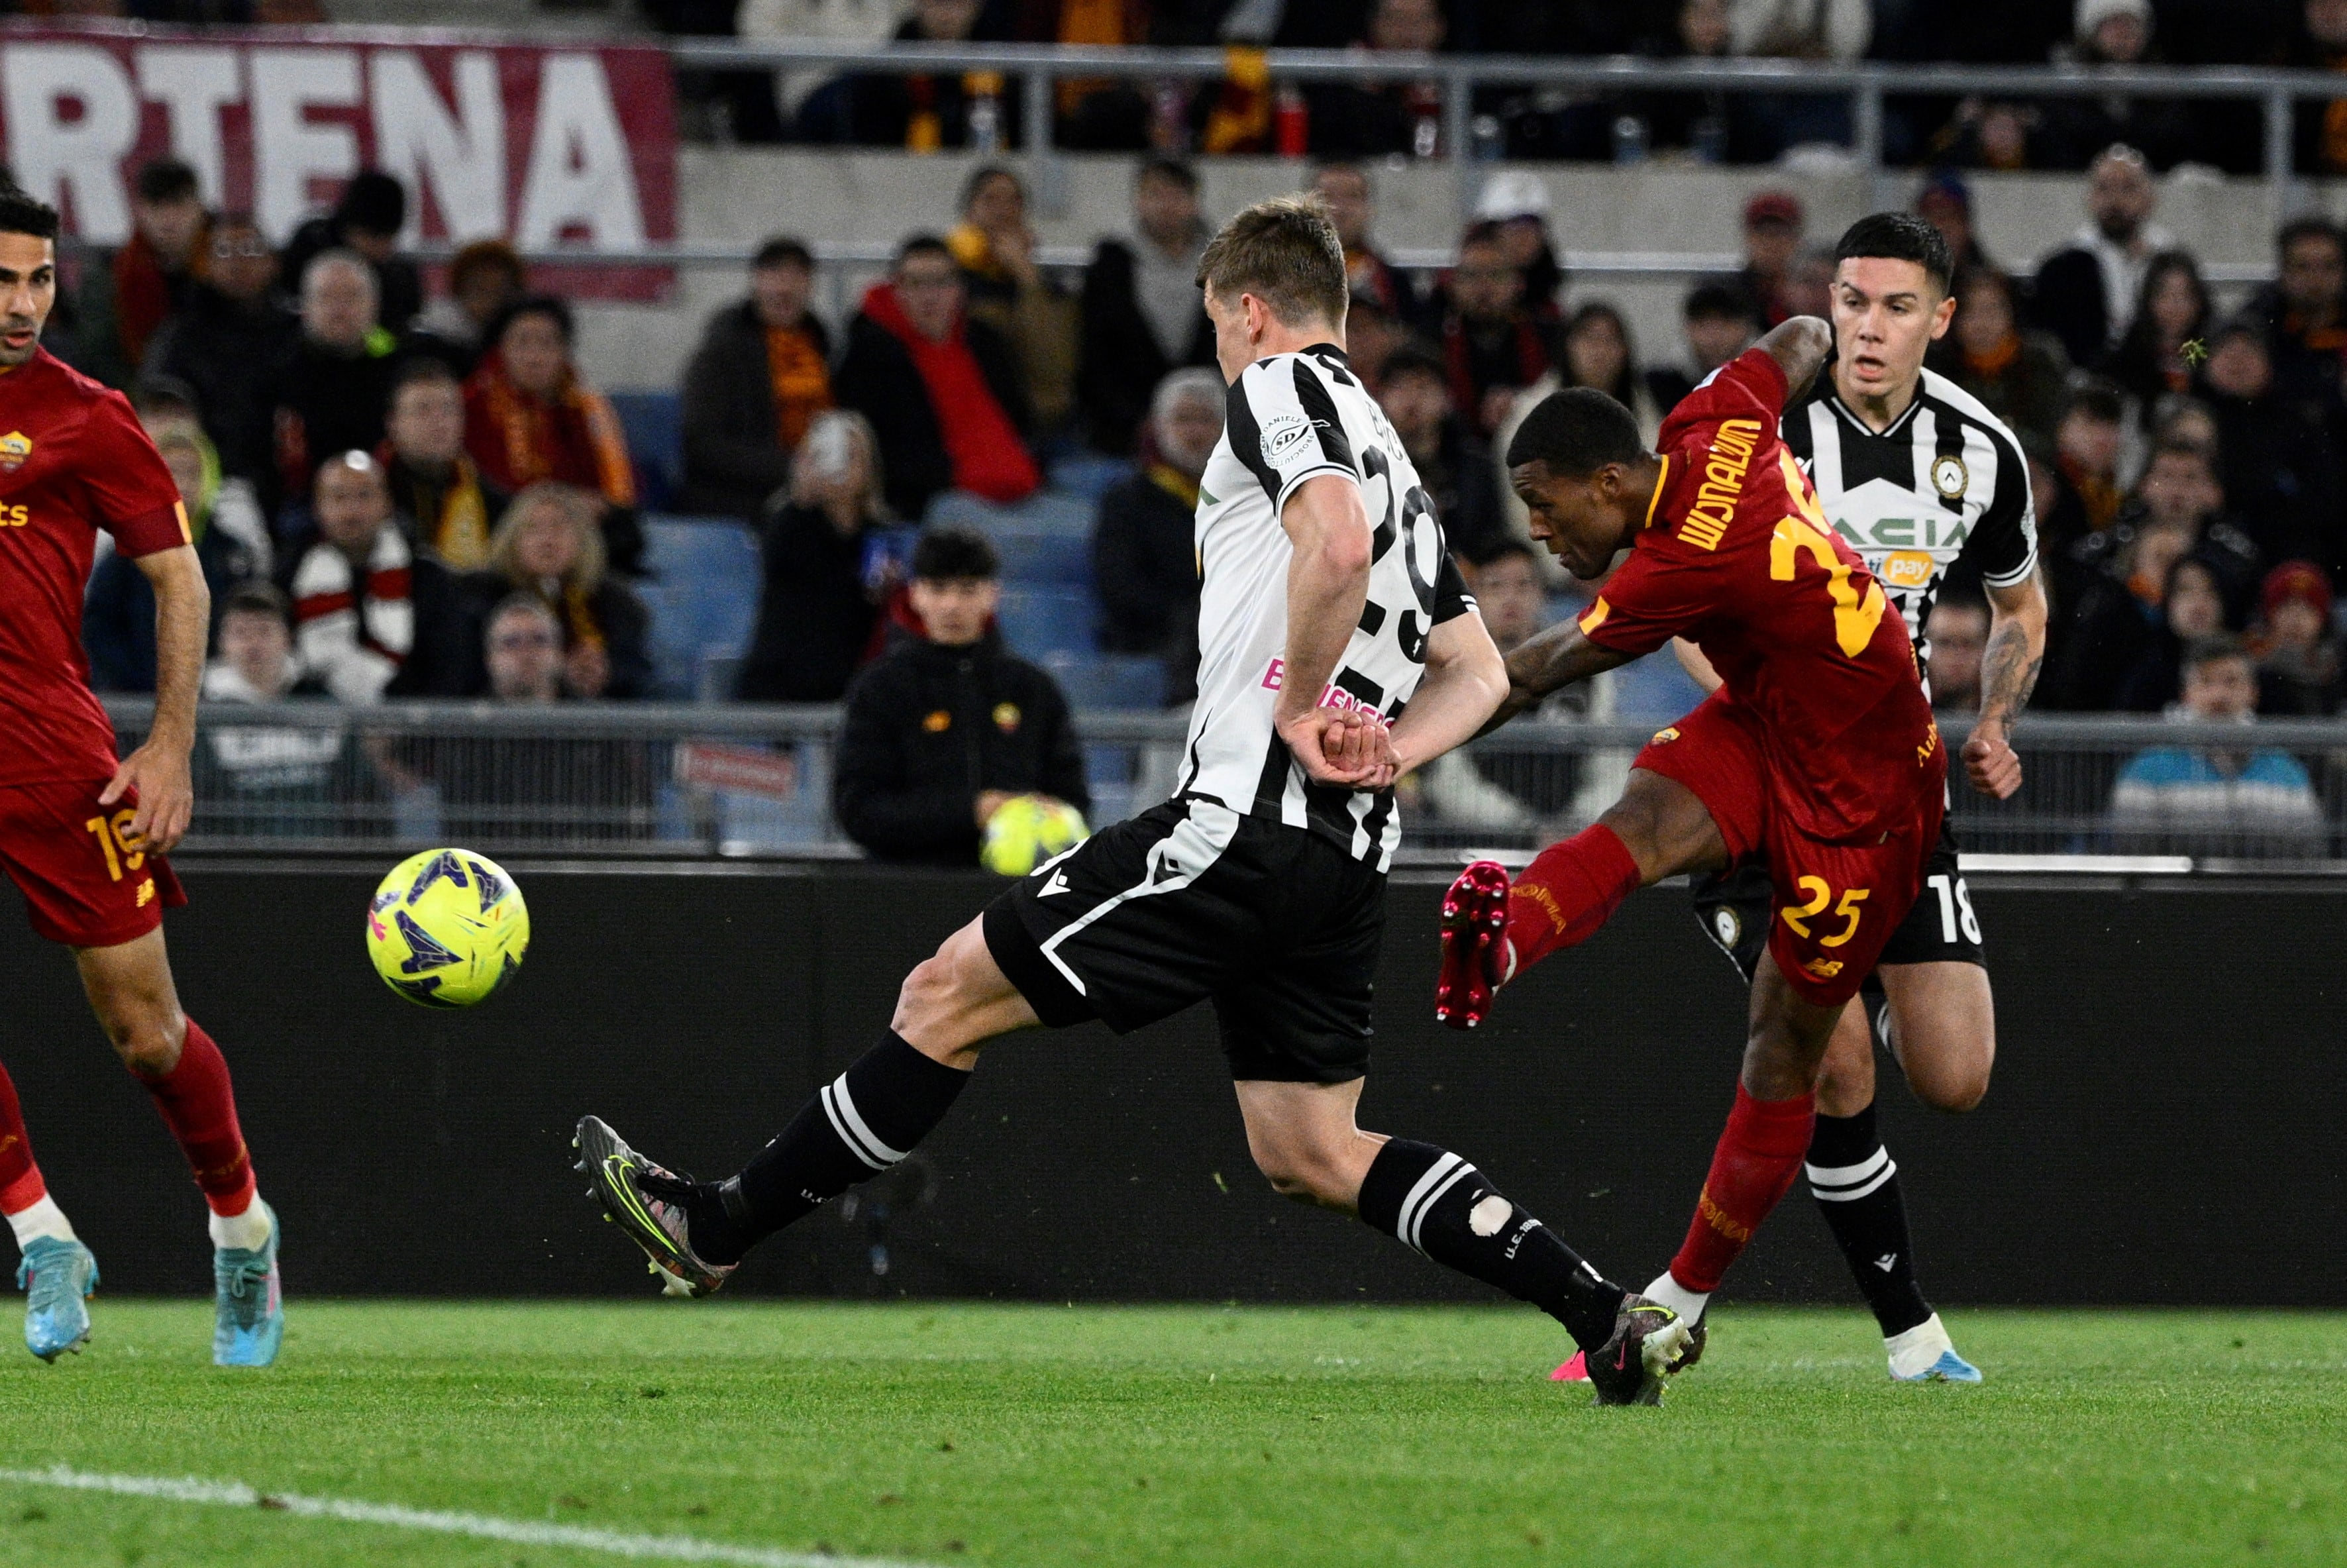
{"type": "Point", "coordinates": [1058, 883]}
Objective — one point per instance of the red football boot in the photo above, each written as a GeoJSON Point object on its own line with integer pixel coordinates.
{"type": "Point", "coordinates": [1475, 945]}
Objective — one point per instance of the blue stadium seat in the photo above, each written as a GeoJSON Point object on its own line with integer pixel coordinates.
{"type": "Point", "coordinates": [703, 593]}
{"type": "Point", "coordinates": [1088, 475]}
{"type": "Point", "coordinates": [1108, 679]}
{"type": "Point", "coordinates": [1046, 538]}
{"type": "Point", "coordinates": [1039, 621]}
{"type": "Point", "coordinates": [655, 425]}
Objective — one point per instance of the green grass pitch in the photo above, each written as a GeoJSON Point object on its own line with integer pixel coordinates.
{"type": "Point", "coordinates": [1027, 1436]}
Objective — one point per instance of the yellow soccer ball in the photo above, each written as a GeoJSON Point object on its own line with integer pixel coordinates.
{"type": "Point", "coordinates": [1026, 832]}
{"type": "Point", "coordinates": [447, 929]}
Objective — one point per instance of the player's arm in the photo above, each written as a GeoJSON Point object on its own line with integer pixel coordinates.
{"type": "Point", "coordinates": [1550, 662]}
{"type": "Point", "coordinates": [1327, 585]}
{"type": "Point", "coordinates": [1465, 681]}
{"type": "Point", "coordinates": [1800, 346]}
{"type": "Point", "coordinates": [1698, 668]}
{"type": "Point", "coordinates": [2015, 652]}
{"type": "Point", "coordinates": [159, 769]}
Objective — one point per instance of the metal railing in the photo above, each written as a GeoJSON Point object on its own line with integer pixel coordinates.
{"type": "Point", "coordinates": [1865, 84]}
{"type": "Point", "coordinates": [673, 779]}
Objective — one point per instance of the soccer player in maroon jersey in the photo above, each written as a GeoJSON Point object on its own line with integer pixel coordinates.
{"type": "Point", "coordinates": [82, 835]}
{"type": "Point", "coordinates": [1819, 752]}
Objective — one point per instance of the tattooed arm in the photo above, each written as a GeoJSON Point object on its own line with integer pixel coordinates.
{"type": "Point", "coordinates": [2016, 649]}
{"type": "Point", "coordinates": [1548, 662]}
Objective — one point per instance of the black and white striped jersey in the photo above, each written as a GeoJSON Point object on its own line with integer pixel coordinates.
{"type": "Point", "coordinates": [1946, 481]}
{"type": "Point", "coordinates": [1293, 416]}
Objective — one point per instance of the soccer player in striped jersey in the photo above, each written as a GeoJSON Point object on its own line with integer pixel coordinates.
{"type": "Point", "coordinates": [1328, 605]}
{"type": "Point", "coordinates": [1920, 480]}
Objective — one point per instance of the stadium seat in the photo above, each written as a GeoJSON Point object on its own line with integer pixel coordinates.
{"type": "Point", "coordinates": [1046, 538]}
{"type": "Point", "coordinates": [1088, 475]}
{"type": "Point", "coordinates": [653, 422]}
{"type": "Point", "coordinates": [702, 592]}
{"type": "Point", "coordinates": [1039, 621]}
{"type": "Point", "coordinates": [1121, 681]}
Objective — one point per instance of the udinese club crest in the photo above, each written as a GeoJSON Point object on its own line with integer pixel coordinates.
{"type": "Point", "coordinates": [1949, 477]}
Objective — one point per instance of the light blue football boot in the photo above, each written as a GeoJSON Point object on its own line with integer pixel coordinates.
{"type": "Point", "coordinates": [1925, 1354]}
{"type": "Point", "coordinates": [57, 1277]}
{"type": "Point", "coordinates": [248, 1302]}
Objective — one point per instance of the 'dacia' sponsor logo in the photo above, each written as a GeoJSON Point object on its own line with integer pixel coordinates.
{"type": "Point", "coordinates": [1723, 483]}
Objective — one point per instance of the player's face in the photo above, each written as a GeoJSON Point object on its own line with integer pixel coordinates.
{"type": "Point", "coordinates": [28, 287]}
{"type": "Point", "coordinates": [1582, 522]}
{"type": "Point", "coordinates": [1885, 315]}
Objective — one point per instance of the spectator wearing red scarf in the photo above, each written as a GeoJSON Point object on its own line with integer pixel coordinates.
{"type": "Point", "coordinates": [530, 416]}
{"type": "Point", "coordinates": [943, 392]}
{"type": "Point", "coordinates": [127, 297]}
{"type": "Point", "coordinates": [1491, 345]}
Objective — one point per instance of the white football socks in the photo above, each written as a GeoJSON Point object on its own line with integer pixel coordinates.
{"type": "Point", "coordinates": [44, 1218]}
{"type": "Point", "coordinates": [248, 1231]}
{"type": "Point", "coordinates": [1915, 1352]}
{"type": "Point", "coordinates": [1687, 1303]}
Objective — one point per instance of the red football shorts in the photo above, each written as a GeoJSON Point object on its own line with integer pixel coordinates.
{"type": "Point", "coordinates": [1837, 903]}
{"type": "Point", "coordinates": [82, 884]}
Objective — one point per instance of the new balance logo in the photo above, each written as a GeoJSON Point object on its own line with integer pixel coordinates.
{"type": "Point", "coordinates": [1887, 1261]}
{"type": "Point", "coordinates": [1058, 883]}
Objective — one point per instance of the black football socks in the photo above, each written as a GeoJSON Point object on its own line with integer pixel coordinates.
{"type": "Point", "coordinates": [1440, 1205]}
{"type": "Point", "coordinates": [1855, 1184]}
{"type": "Point", "coordinates": [857, 1126]}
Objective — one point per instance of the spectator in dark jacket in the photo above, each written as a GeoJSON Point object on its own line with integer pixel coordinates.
{"type": "Point", "coordinates": [2305, 308]}
{"type": "Point", "coordinates": [2172, 310]}
{"type": "Point", "coordinates": [1491, 346]}
{"type": "Point", "coordinates": [2085, 293]}
{"type": "Point", "coordinates": [117, 620]}
{"type": "Point", "coordinates": [226, 343]}
{"type": "Point", "coordinates": [946, 730]}
{"type": "Point", "coordinates": [1141, 311]}
{"type": "Point", "coordinates": [127, 297]}
{"type": "Point", "coordinates": [1454, 466]}
{"type": "Point", "coordinates": [485, 278]}
{"type": "Point", "coordinates": [761, 376]}
{"type": "Point", "coordinates": [550, 544]}
{"type": "Point", "coordinates": [334, 388]}
{"type": "Point", "coordinates": [2281, 454]}
{"type": "Point", "coordinates": [819, 608]}
{"type": "Point", "coordinates": [924, 112]}
{"type": "Point", "coordinates": [366, 219]}
{"type": "Point", "coordinates": [1144, 549]}
{"type": "Point", "coordinates": [2298, 655]}
{"type": "Point", "coordinates": [943, 392]}
{"type": "Point", "coordinates": [433, 484]}
{"type": "Point", "coordinates": [1344, 186]}
{"type": "Point", "coordinates": [2023, 376]}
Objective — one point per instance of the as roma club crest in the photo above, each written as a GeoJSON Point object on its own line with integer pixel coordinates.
{"type": "Point", "coordinates": [15, 447]}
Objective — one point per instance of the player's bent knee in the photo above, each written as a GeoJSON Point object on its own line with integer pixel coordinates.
{"type": "Point", "coordinates": [1297, 1169]}
{"type": "Point", "coordinates": [1953, 1087]}
{"type": "Point", "coordinates": [150, 1046]}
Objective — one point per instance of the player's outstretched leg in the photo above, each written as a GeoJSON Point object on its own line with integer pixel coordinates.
{"type": "Point", "coordinates": [864, 1121]}
{"type": "Point", "coordinates": [57, 1273]}
{"type": "Point", "coordinates": [1493, 931]}
{"type": "Point", "coordinates": [1304, 1138]}
{"type": "Point", "coordinates": [130, 988]}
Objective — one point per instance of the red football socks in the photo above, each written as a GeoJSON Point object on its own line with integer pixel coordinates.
{"type": "Point", "coordinates": [199, 1108]}
{"type": "Point", "coordinates": [1568, 891]}
{"type": "Point", "coordinates": [20, 1180]}
{"type": "Point", "coordinates": [1753, 1167]}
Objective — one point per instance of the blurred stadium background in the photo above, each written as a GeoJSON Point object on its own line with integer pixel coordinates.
{"type": "Point", "coordinates": [1534, 195]}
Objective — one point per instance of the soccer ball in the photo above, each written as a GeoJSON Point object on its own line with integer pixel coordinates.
{"type": "Point", "coordinates": [447, 929]}
{"type": "Point", "coordinates": [1024, 833]}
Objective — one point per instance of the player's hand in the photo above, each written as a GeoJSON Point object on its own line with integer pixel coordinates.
{"type": "Point", "coordinates": [167, 797]}
{"type": "Point", "coordinates": [1344, 747]}
{"type": "Point", "coordinates": [1990, 760]}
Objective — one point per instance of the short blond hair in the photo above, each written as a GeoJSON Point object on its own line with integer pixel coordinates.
{"type": "Point", "coordinates": [1285, 252]}
{"type": "Point", "coordinates": [580, 508]}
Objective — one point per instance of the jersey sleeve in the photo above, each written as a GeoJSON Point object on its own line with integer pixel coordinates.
{"type": "Point", "coordinates": [1749, 387]}
{"type": "Point", "coordinates": [2004, 545]}
{"type": "Point", "coordinates": [1661, 591]}
{"type": "Point", "coordinates": [1452, 599]}
{"type": "Point", "coordinates": [132, 493]}
{"type": "Point", "coordinates": [1283, 425]}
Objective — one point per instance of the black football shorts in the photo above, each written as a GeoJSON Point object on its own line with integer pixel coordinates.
{"type": "Point", "coordinates": [1191, 901]}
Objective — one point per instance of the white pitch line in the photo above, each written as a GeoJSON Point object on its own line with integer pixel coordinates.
{"type": "Point", "coordinates": [486, 1527]}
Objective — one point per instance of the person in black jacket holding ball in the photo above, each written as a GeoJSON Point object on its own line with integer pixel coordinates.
{"type": "Point", "coordinates": [949, 728]}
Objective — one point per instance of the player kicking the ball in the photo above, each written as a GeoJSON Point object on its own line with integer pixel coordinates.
{"type": "Point", "coordinates": [1818, 755]}
{"type": "Point", "coordinates": [82, 837]}
{"type": "Point", "coordinates": [1327, 602]}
